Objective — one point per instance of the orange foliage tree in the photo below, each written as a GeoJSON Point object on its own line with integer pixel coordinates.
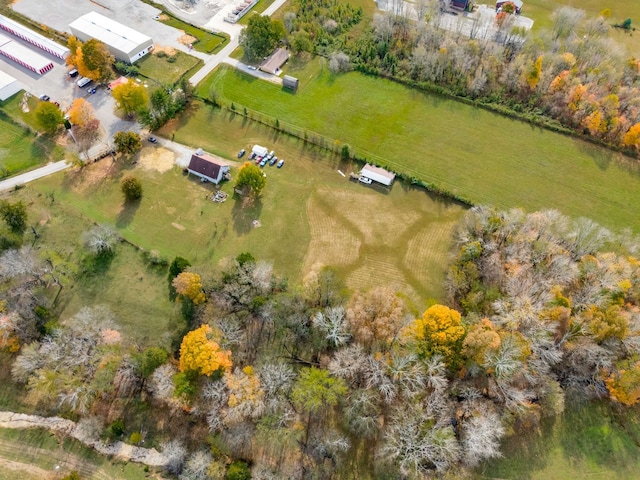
{"type": "Point", "coordinates": [624, 383]}
{"type": "Point", "coordinates": [81, 112]}
{"type": "Point", "coordinates": [189, 285]}
{"type": "Point", "coordinates": [200, 354]}
{"type": "Point", "coordinates": [481, 339]}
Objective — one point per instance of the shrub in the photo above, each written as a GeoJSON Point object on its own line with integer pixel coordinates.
{"type": "Point", "coordinates": [239, 470]}
{"type": "Point", "coordinates": [131, 188]}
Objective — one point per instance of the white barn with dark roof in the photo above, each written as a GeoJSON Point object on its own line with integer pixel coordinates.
{"type": "Point", "coordinates": [207, 168]}
{"type": "Point", "coordinates": [124, 43]}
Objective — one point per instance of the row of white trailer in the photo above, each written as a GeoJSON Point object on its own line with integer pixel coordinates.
{"type": "Point", "coordinates": [24, 56]}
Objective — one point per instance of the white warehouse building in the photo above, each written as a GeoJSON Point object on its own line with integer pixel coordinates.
{"type": "Point", "coordinates": [9, 86]}
{"type": "Point", "coordinates": [124, 43]}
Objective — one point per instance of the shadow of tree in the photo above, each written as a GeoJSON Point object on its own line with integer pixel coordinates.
{"type": "Point", "coordinates": [245, 211]}
{"type": "Point", "coordinates": [127, 212]}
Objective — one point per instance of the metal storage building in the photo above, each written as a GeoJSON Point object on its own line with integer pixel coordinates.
{"type": "Point", "coordinates": [28, 35]}
{"type": "Point", "coordinates": [9, 86]}
{"type": "Point", "coordinates": [377, 174]}
{"type": "Point", "coordinates": [24, 56]}
{"type": "Point", "coordinates": [124, 43]}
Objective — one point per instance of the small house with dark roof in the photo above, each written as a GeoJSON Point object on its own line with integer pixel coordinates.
{"type": "Point", "coordinates": [274, 63]}
{"type": "Point", "coordinates": [207, 168]}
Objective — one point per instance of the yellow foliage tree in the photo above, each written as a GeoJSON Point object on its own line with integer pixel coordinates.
{"type": "Point", "coordinates": [594, 123]}
{"type": "Point", "coordinates": [632, 137]}
{"type": "Point", "coordinates": [81, 112]}
{"type": "Point", "coordinates": [609, 323]}
{"type": "Point", "coordinates": [74, 46]}
{"type": "Point", "coordinates": [439, 331]}
{"type": "Point", "coordinates": [131, 97]}
{"type": "Point", "coordinates": [189, 285]}
{"type": "Point", "coordinates": [624, 383]}
{"type": "Point", "coordinates": [533, 77]}
{"type": "Point", "coordinates": [201, 355]}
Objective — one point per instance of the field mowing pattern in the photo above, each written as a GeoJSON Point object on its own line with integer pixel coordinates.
{"type": "Point", "coordinates": [471, 152]}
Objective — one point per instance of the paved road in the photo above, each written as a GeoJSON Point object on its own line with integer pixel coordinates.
{"type": "Point", "coordinates": [33, 175]}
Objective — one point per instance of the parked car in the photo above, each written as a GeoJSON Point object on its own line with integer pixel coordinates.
{"type": "Point", "coordinates": [281, 163]}
{"type": "Point", "coordinates": [44, 98]}
{"type": "Point", "coordinates": [153, 139]}
{"type": "Point", "coordinates": [271, 154]}
{"type": "Point", "coordinates": [83, 81]}
{"type": "Point", "coordinates": [252, 155]}
{"type": "Point", "coordinates": [258, 159]}
{"type": "Point", "coordinates": [251, 67]}
{"type": "Point", "coordinates": [263, 162]}
{"type": "Point", "coordinates": [73, 73]}
{"type": "Point", "coordinates": [365, 180]}
{"type": "Point", "coordinates": [241, 153]}
{"type": "Point", "coordinates": [91, 90]}
{"type": "Point", "coordinates": [273, 161]}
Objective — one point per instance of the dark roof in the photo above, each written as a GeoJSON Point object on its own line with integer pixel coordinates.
{"type": "Point", "coordinates": [275, 61]}
{"type": "Point", "coordinates": [205, 165]}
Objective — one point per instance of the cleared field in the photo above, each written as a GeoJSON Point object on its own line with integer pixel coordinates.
{"type": "Point", "coordinates": [487, 158]}
{"type": "Point", "coordinates": [588, 441]}
{"type": "Point", "coordinates": [34, 454]}
{"type": "Point", "coordinates": [134, 291]}
{"type": "Point", "coordinates": [540, 11]}
{"type": "Point", "coordinates": [308, 214]}
{"type": "Point", "coordinates": [164, 71]}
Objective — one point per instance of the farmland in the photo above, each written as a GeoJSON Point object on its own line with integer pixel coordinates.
{"type": "Point", "coordinates": [481, 156]}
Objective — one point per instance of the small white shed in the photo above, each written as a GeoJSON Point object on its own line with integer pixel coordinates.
{"type": "Point", "coordinates": [260, 151]}
{"type": "Point", "coordinates": [377, 174]}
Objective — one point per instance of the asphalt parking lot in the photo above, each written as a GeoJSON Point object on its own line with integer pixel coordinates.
{"type": "Point", "coordinates": [58, 14]}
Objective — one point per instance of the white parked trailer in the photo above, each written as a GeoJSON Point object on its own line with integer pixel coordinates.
{"type": "Point", "coordinates": [377, 174]}
{"type": "Point", "coordinates": [260, 151]}
{"type": "Point", "coordinates": [34, 38]}
{"type": "Point", "coordinates": [24, 56]}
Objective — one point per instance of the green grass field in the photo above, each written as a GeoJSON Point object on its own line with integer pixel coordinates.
{"type": "Point", "coordinates": [135, 292]}
{"type": "Point", "coordinates": [309, 214]}
{"type": "Point", "coordinates": [19, 150]}
{"type": "Point", "coordinates": [471, 152]}
{"type": "Point", "coordinates": [207, 42]}
{"type": "Point", "coordinates": [540, 11]}
{"type": "Point", "coordinates": [35, 454]}
{"type": "Point", "coordinates": [166, 72]}
{"type": "Point", "coordinates": [587, 441]}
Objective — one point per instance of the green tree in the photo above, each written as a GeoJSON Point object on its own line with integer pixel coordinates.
{"type": "Point", "coordinates": [151, 359]}
{"type": "Point", "coordinates": [131, 188]}
{"type": "Point", "coordinates": [14, 215]}
{"type": "Point", "coordinates": [315, 389]}
{"type": "Point", "coordinates": [238, 470]}
{"type": "Point", "coordinates": [301, 42]}
{"type": "Point", "coordinates": [178, 266]}
{"type": "Point", "coordinates": [252, 177]}
{"type": "Point", "coordinates": [95, 61]}
{"type": "Point", "coordinates": [261, 36]}
{"type": "Point", "coordinates": [48, 116]}
{"type": "Point", "coordinates": [127, 142]}
{"type": "Point", "coordinates": [131, 97]}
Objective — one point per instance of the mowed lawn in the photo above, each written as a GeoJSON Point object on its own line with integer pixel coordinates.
{"type": "Point", "coordinates": [590, 440]}
{"type": "Point", "coordinates": [471, 152]}
{"type": "Point", "coordinates": [19, 149]}
{"type": "Point", "coordinates": [309, 215]}
{"type": "Point", "coordinates": [135, 292]}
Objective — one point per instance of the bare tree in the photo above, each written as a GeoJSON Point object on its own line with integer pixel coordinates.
{"type": "Point", "coordinates": [332, 321]}
{"type": "Point", "coordinates": [339, 62]}
{"type": "Point", "coordinates": [481, 434]}
{"type": "Point", "coordinates": [101, 240]}
{"type": "Point", "coordinates": [197, 466]}
{"type": "Point", "coordinates": [175, 452]}
{"type": "Point", "coordinates": [565, 21]}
